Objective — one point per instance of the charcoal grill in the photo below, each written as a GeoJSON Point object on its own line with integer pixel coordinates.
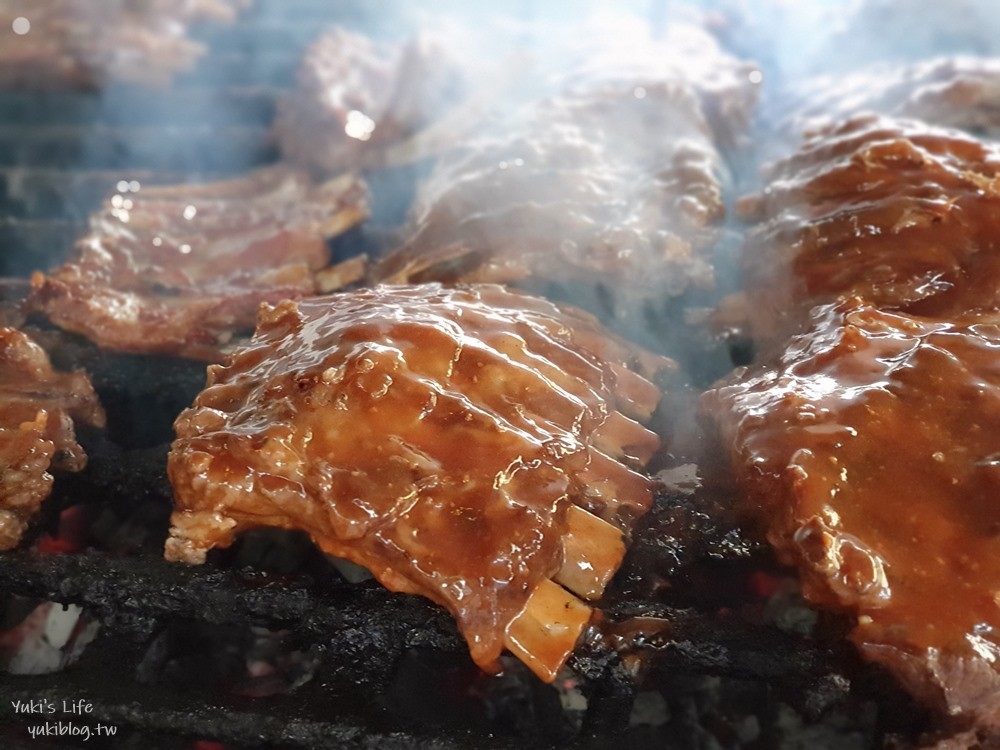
{"type": "Point", "coordinates": [390, 670]}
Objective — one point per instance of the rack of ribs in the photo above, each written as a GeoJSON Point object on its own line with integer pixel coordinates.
{"type": "Point", "coordinates": [868, 454]}
{"type": "Point", "coordinates": [864, 436]}
{"type": "Point", "coordinates": [354, 97]}
{"type": "Point", "coordinates": [610, 178]}
{"type": "Point", "coordinates": [62, 43]}
{"type": "Point", "coordinates": [954, 92]}
{"type": "Point", "coordinates": [477, 446]}
{"type": "Point", "coordinates": [899, 213]}
{"type": "Point", "coordinates": [181, 269]}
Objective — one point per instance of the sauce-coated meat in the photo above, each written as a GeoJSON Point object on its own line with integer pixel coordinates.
{"type": "Point", "coordinates": [179, 269]}
{"type": "Point", "coordinates": [580, 190]}
{"type": "Point", "coordinates": [467, 445]}
{"type": "Point", "coordinates": [904, 215]}
{"type": "Point", "coordinates": [869, 454]}
{"type": "Point", "coordinates": [37, 408]}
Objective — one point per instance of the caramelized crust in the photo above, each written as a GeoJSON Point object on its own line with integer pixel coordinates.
{"type": "Point", "coordinates": [438, 438]}
{"type": "Point", "coordinates": [178, 270]}
{"type": "Point", "coordinates": [355, 96]}
{"type": "Point", "coordinates": [37, 410]}
{"type": "Point", "coordinates": [903, 215]}
{"type": "Point", "coordinates": [869, 455]}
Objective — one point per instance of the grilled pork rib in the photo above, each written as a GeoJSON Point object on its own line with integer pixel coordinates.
{"type": "Point", "coordinates": [476, 446]}
{"type": "Point", "coordinates": [611, 177]}
{"type": "Point", "coordinates": [954, 92]}
{"type": "Point", "coordinates": [899, 213]}
{"type": "Point", "coordinates": [355, 96]}
{"type": "Point", "coordinates": [868, 454]}
{"type": "Point", "coordinates": [62, 43]}
{"type": "Point", "coordinates": [37, 409]}
{"type": "Point", "coordinates": [180, 269]}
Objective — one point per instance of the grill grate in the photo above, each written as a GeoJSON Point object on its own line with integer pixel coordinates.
{"type": "Point", "coordinates": [367, 636]}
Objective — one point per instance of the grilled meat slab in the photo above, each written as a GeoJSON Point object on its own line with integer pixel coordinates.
{"type": "Point", "coordinates": [955, 92]}
{"type": "Point", "coordinates": [868, 453]}
{"type": "Point", "coordinates": [904, 215]}
{"type": "Point", "coordinates": [67, 44]}
{"type": "Point", "coordinates": [355, 96]}
{"type": "Point", "coordinates": [180, 269]}
{"type": "Point", "coordinates": [476, 446]}
{"type": "Point", "coordinates": [610, 178]}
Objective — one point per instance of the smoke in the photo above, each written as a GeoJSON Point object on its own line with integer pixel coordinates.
{"type": "Point", "coordinates": [797, 40]}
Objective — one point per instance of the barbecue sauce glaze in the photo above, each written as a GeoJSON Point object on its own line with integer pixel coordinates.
{"type": "Point", "coordinates": [904, 215]}
{"type": "Point", "coordinates": [871, 455]}
{"type": "Point", "coordinates": [434, 436]}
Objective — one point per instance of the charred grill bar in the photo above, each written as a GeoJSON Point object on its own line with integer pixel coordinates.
{"type": "Point", "coordinates": [363, 632]}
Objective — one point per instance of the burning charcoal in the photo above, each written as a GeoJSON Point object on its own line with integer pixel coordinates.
{"type": "Point", "coordinates": [251, 661]}
{"type": "Point", "coordinates": [649, 708]}
{"type": "Point", "coordinates": [440, 690]}
{"type": "Point", "coordinates": [49, 639]}
{"type": "Point", "coordinates": [454, 425]}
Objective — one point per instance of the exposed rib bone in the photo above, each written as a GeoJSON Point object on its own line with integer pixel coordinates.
{"type": "Point", "coordinates": [592, 551]}
{"type": "Point", "coordinates": [545, 633]}
{"type": "Point", "coordinates": [606, 486]}
{"type": "Point", "coordinates": [636, 396]}
{"type": "Point", "coordinates": [341, 274]}
{"type": "Point", "coordinates": [350, 191]}
{"type": "Point", "coordinates": [620, 437]}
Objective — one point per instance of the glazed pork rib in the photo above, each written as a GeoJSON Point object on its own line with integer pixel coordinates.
{"type": "Point", "coordinates": [477, 446]}
{"type": "Point", "coordinates": [180, 269]}
{"type": "Point", "coordinates": [38, 407]}
{"type": "Point", "coordinates": [612, 178]}
{"type": "Point", "coordinates": [902, 214]}
{"type": "Point", "coordinates": [868, 454]}
{"type": "Point", "coordinates": [63, 43]}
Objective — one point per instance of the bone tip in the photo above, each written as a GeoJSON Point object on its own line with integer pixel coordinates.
{"type": "Point", "coordinates": [545, 632]}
